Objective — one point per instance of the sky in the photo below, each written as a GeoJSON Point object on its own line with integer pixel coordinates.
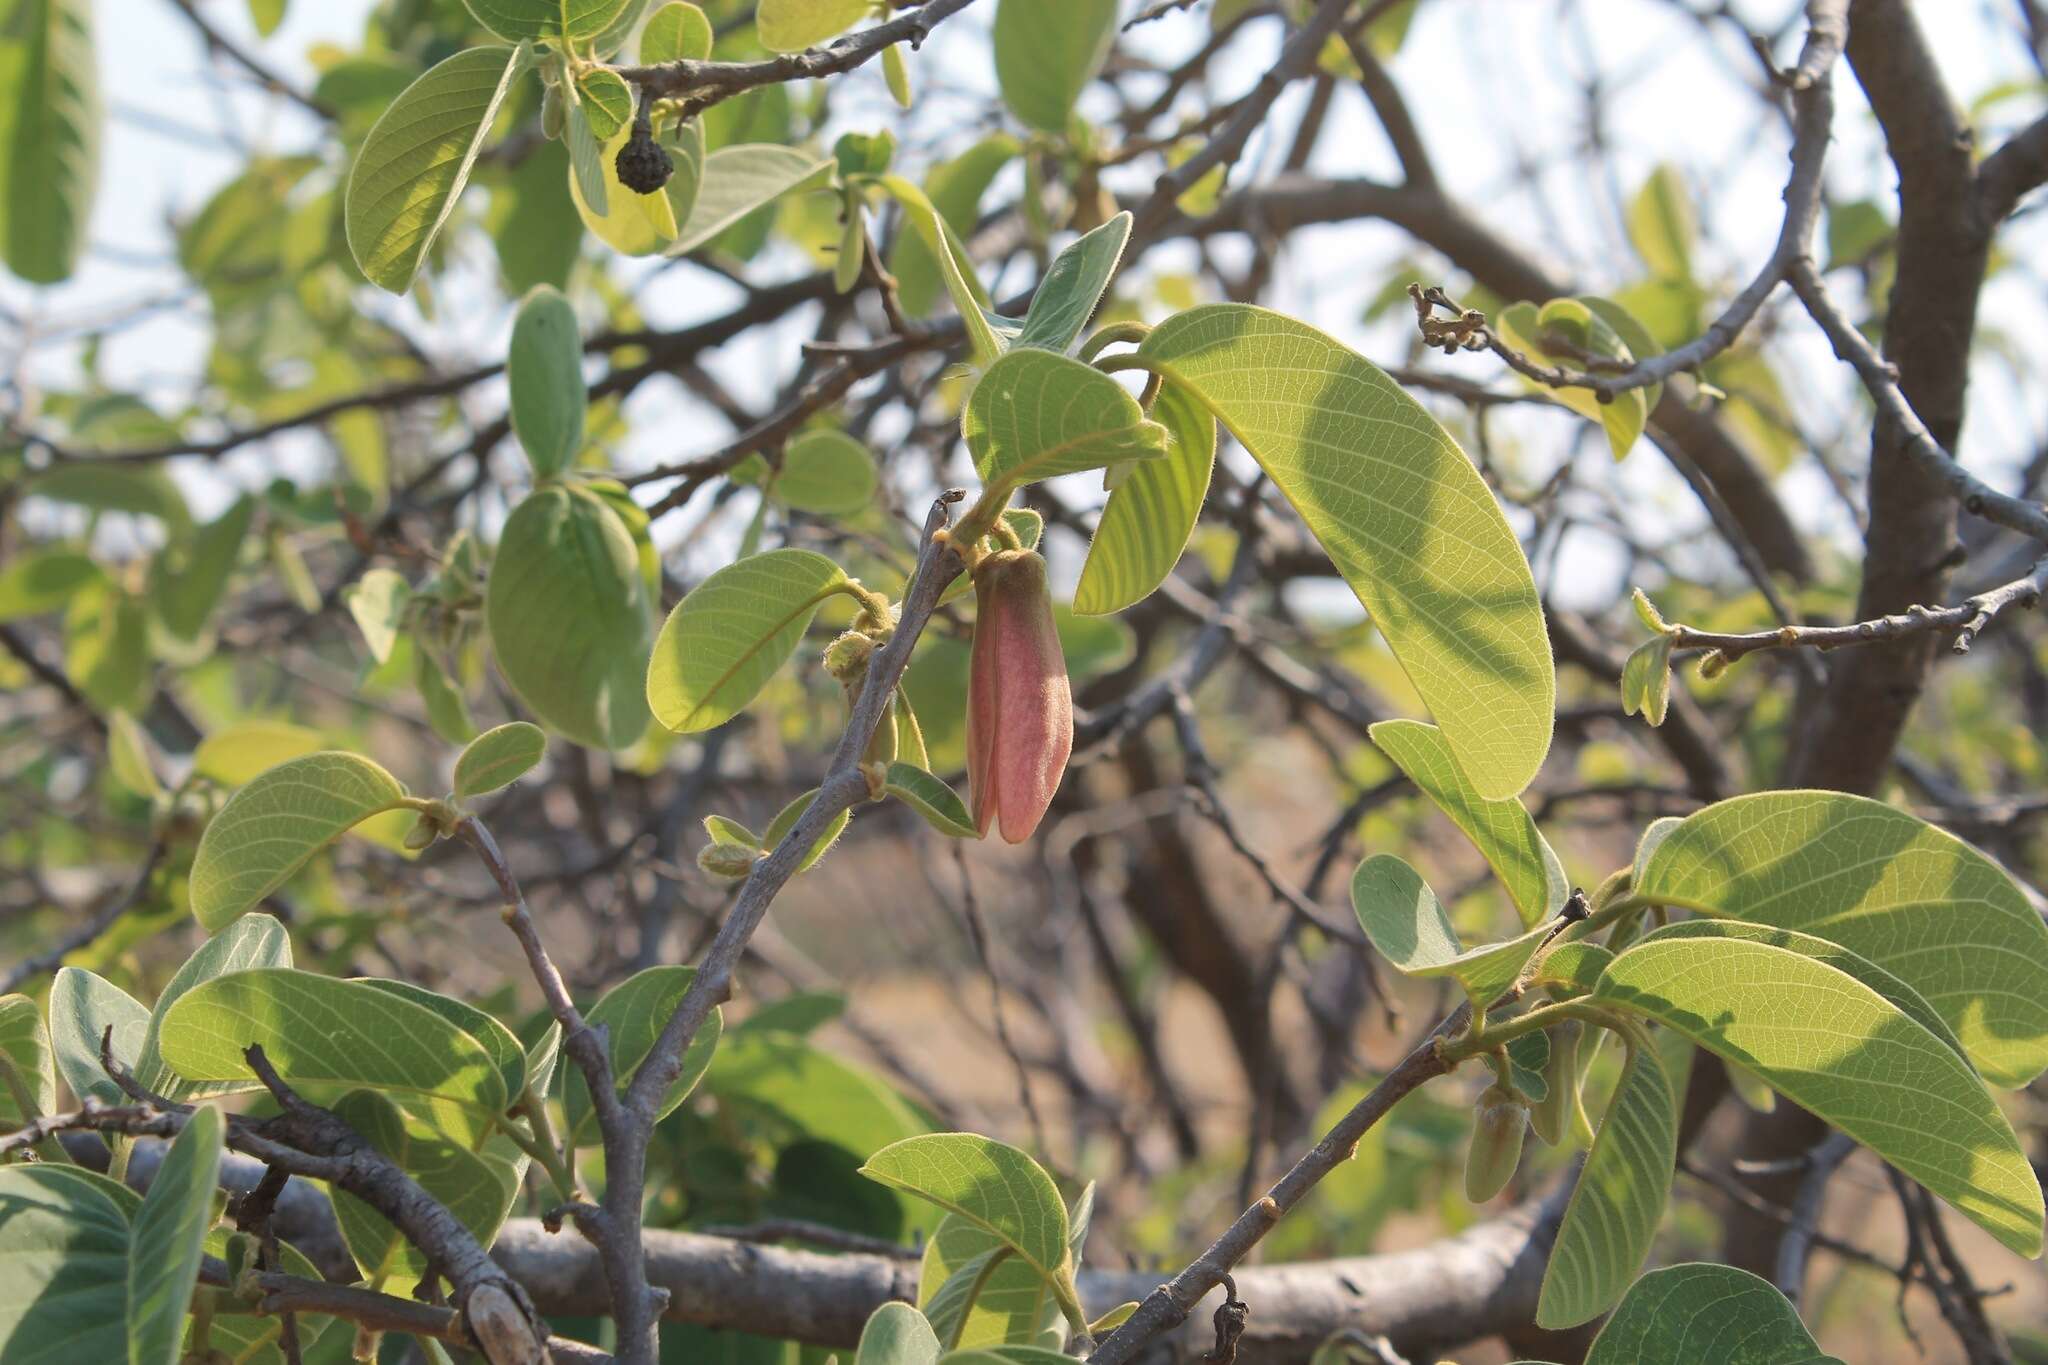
{"type": "Point", "coordinates": [1497, 84]}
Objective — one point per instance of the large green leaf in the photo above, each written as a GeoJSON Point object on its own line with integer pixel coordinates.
{"type": "Point", "coordinates": [517, 19]}
{"type": "Point", "coordinates": [1501, 830]}
{"type": "Point", "coordinates": [724, 640]}
{"type": "Point", "coordinates": [897, 1334]}
{"type": "Point", "coordinates": [568, 614]}
{"type": "Point", "coordinates": [1410, 928]}
{"type": "Point", "coordinates": [1073, 285]}
{"type": "Point", "coordinates": [251, 941]}
{"type": "Point", "coordinates": [240, 753]}
{"type": "Point", "coordinates": [168, 1239]}
{"type": "Point", "coordinates": [635, 1012]}
{"type": "Point", "coordinates": [1620, 1197]}
{"type": "Point", "coordinates": [491, 1035]}
{"type": "Point", "coordinates": [1836, 1047]}
{"type": "Point", "coordinates": [793, 25]}
{"type": "Point", "coordinates": [973, 1303]}
{"type": "Point", "coordinates": [317, 1030]}
{"type": "Point", "coordinates": [1913, 899]}
{"type": "Point", "coordinates": [1402, 514]}
{"type": "Point", "coordinates": [268, 829]}
{"type": "Point", "coordinates": [1036, 415]}
{"type": "Point", "coordinates": [418, 156]}
{"type": "Point", "coordinates": [49, 136]}
{"type": "Point", "coordinates": [476, 1189]}
{"type": "Point", "coordinates": [63, 1266]}
{"type": "Point", "coordinates": [25, 1051]}
{"type": "Point", "coordinates": [497, 758]}
{"type": "Point", "coordinates": [1703, 1312]}
{"type": "Point", "coordinates": [1047, 53]}
{"type": "Point", "coordinates": [953, 190]}
{"type": "Point", "coordinates": [988, 1182]}
{"type": "Point", "coordinates": [544, 368]}
{"type": "Point", "coordinates": [1146, 523]}
{"type": "Point", "coordinates": [737, 180]}
{"type": "Point", "coordinates": [83, 1007]}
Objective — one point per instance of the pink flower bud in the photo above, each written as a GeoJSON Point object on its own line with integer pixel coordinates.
{"type": "Point", "coordinates": [1020, 710]}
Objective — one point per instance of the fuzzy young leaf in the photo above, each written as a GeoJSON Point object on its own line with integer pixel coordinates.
{"type": "Point", "coordinates": [544, 368]}
{"type": "Point", "coordinates": [1584, 331]}
{"type": "Point", "coordinates": [268, 829]}
{"type": "Point", "coordinates": [417, 158]}
{"type": "Point", "coordinates": [953, 190]}
{"type": "Point", "coordinates": [1646, 680]}
{"type": "Point", "coordinates": [1406, 519]}
{"type": "Point", "coordinates": [943, 246]}
{"type": "Point", "coordinates": [930, 797]}
{"type": "Point", "coordinates": [1073, 285]}
{"type": "Point", "coordinates": [725, 640]}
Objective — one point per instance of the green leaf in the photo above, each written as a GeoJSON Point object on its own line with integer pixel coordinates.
{"type": "Point", "coordinates": [625, 220]}
{"type": "Point", "coordinates": [793, 25]}
{"type": "Point", "coordinates": [567, 608]}
{"type": "Point", "coordinates": [988, 1182]}
{"type": "Point", "coordinates": [25, 1051]}
{"type": "Point", "coordinates": [953, 189]}
{"type": "Point", "coordinates": [825, 473]}
{"type": "Point", "coordinates": [1073, 285]}
{"type": "Point", "coordinates": [1835, 1047]}
{"type": "Point", "coordinates": [590, 176]}
{"type": "Point", "coordinates": [675, 32]}
{"type": "Point", "coordinates": [1146, 523]}
{"type": "Point", "coordinates": [131, 756]}
{"type": "Point", "coordinates": [1698, 1311]}
{"type": "Point", "coordinates": [64, 1240]}
{"type": "Point", "coordinates": [897, 1334]}
{"type": "Point", "coordinates": [810, 1089]}
{"type": "Point", "coordinates": [477, 1189]}
{"type": "Point", "coordinates": [189, 578]}
{"type": "Point", "coordinates": [377, 601]}
{"type": "Point", "coordinates": [251, 941]}
{"type": "Point", "coordinates": [492, 1036]}
{"type": "Point", "coordinates": [738, 180]}
{"type": "Point", "coordinates": [447, 710]}
{"type": "Point", "coordinates": [930, 797]}
{"type": "Point", "coordinates": [417, 158]}
{"type": "Point", "coordinates": [268, 829]}
{"type": "Point", "coordinates": [518, 19]}
{"type": "Point", "coordinates": [1572, 967]}
{"type": "Point", "coordinates": [635, 1012]}
{"type": "Point", "coordinates": [1913, 899]}
{"type": "Point", "coordinates": [1047, 54]}
{"type": "Point", "coordinates": [1402, 514]}
{"type": "Point", "coordinates": [1646, 680]}
{"type": "Point", "coordinates": [1585, 332]}
{"type": "Point", "coordinates": [1501, 830]}
{"type": "Point", "coordinates": [83, 1007]}
{"type": "Point", "coordinates": [976, 1294]}
{"type": "Point", "coordinates": [497, 758]}
{"type": "Point", "coordinates": [545, 370]}
{"type": "Point", "coordinates": [1409, 927]}
{"type": "Point", "coordinates": [1036, 415]}
{"type": "Point", "coordinates": [317, 1030]}
{"type": "Point", "coordinates": [785, 820]}
{"type": "Point", "coordinates": [896, 72]}
{"type": "Point", "coordinates": [106, 647]}
{"type": "Point", "coordinates": [1661, 225]}
{"type": "Point", "coordinates": [1619, 1200]}
{"type": "Point", "coordinates": [240, 752]}
{"type": "Point", "coordinates": [266, 15]}
{"type": "Point", "coordinates": [168, 1240]}
{"type": "Point", "coordinates": [49, 137]}
{"type": "Point", "coordinates": [685, 145]}
{"type": "Point", "coordinates": [37, 581]}
{"type": "Point", "coordinates": [732, 632]}
{"type": "Point", "coordinates": [942, 244]}
{"type": "Point", "coordinates": [607, 102]}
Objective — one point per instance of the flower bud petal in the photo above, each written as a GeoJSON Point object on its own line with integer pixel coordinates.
{"type": "Point", "coordinates": [1020, 707]}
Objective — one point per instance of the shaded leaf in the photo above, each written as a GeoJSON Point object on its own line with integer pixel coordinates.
{"type": "Point", "coordinates": [1146, 523]}
{"type": "Point", "coordinates": [1073, 285]}
{"type": "Point", "coordinates": [497, 758]}
{"type": "Point", "coordinates": [168, 1239]}
{"type": "Point", "coordinates": [635, 1012]}
{"type": "Point", "coordinates": [1036, 415]}
{"type": "Point", "coordinates": [545, 370]}
{"type": "Point", "coordinates": [1409, 927]}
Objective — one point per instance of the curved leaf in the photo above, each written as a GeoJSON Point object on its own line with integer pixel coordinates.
{"type": "Point", "coordinates": [897, 1334]}
{"type": "Point", "coordinates": [1410, 928]}
{"type": "Point", "coordinates": [64, 1245]}
{"type": "Point", "coordinates": [625, 220]}
{"type": "Point", "coordinates": [517, 19]}
{"type": "Point", "coordinates": [1073, 285]}
{"type": "Point", "coordinates": [1834, 1046]}
{"type": "Point", "coordinates": [169, 1238]}
{"type": "Point", "coordinates": [1402, 514]}
{"type": "Point", "coordinates": [497, 758]}
{"type": "Point", "coordinates": [544, 368]}
{"type": "Point", "coordinates": [417, 158]}
{"type": "Point", "coordinates": [1704, 1312]}
{"type": "Point", "coordinates": [987, 1182]}
{"type": "Point", "coordinates": [1891, 888]}
{"type": "Point", "coordinates": [1036, 415]}
{"type": "Point", "coordinates": [82, 1008]}
{"type": "Point", "coordinates": [49, 137]}
{"type": "Point", "coordinates": [568, 616]}
{"type": "Point", "coordinates": [953, 190]}
{"type": "Point", "coordinates": [737, 180]}
{"type": "Point", "coordinates": [25, 1051]}
{"type": "Point", "coordinates": [930, 797]}
{"type": "Point", "coordinates": [725, 639]}
{"type": "Point", "coordinates": [1146, 523]}
{"type": "Point", "coordinates": [955, 268]}
{"type": "Point", "coordinates": [1619, 1200]}
{"type": "Point", "coordinates": [825, 473]}
{"type": "Point", "coordinates": [635, 1012]}
{"type": "Point", "coordinates": [491, 1035]}
{"type": "Point", "coordinates": [268, 829]}
{"type": "Point", "coordinates": [251, 941]}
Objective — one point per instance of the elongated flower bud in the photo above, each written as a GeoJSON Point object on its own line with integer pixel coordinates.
{"type": "Point", "coordinates": [1497, 1126]}
{"type": "Point", "coordinates": [1020, 709]}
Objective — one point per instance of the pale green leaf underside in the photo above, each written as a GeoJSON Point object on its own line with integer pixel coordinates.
{"type": "Point", "coordinates": [725, 640]}
{"type": "Point", "coordinates": [63, 1265]}
{"type": "Point", "coordinates": [475, 1188]}
{"type": "Point", "coordinates": [1705, 1312]}
{"type": "Point", "coordinates": [1619, 1200]}
{"type": "Point", "coordinates": [953, 189]}
{"type": "Point", "coordinates": [1400, 511]}
{"type": "Point", "coordinates": [416, 159]}
{"type": "Point", "coordinates": [930, 797]}
{"type": "Point", "coordinates": [1073, 285]}
{"type": "Point", "coordinates": [1913, 899]}
{"type": "Point", "coordinates": [251, 941]}
{"type": "Point", "coordinates": [989, 1182]}
{"type": "Point", "coordinates": [897, 1334]}
{"type": "Point", "coordinates": [971, 1303]}
{"type": "Point", "coordinates": [955, 268]}
{"type": "Point", "coordinates": [320, 1030]}
{"type": "Point", "coordinates": [1409, 927]}
{"type": "Point", "coordinates": [737, 180]}
{"type": "Point", "coordinates": [1501, 830]}
{"type": "Point", "coordinates": [497, 758]}
{"type": "Point", "coordinates": [1832, 1045]}
{"type": "Point", "coordinates": [268, 829]}
{"type": "Point", "coordinates": [1146, 523]}
{"type": "Point", "coordinates": [83, 1007]}
{"type": "Point", "coordinates": [493, 1037]}
{"type": "Point", "coordinates": [26, 1049]}
{"type": "Point", "coordinates": [636, 1011]}
{"type": "Point", "coordinates": [1036, 415]}
{"type": "Point", "coordinates": [168, 1239]}
{"type": "Point", "coordinates": [516, 19]}
{"type": "Point", "coordinates": [544, 369]}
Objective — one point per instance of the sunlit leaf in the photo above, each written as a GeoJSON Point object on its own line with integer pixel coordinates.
{"type": "Point", "coordinates": [1046, 54]}
{"type": "Point", "coordinates": [732, 632]}
{"type": "Point", "coordinates": [988, 1182]}
{"type": "Point", "coordinates": [1036, 415]}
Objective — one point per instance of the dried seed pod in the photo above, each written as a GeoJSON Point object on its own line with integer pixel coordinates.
{"type": "Point", "coordinates": [643, 166]}
{"type": "Point", "coordinates": [1497, 1124]}
{"type": "Point", "coordinates": [1553, 1116]}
